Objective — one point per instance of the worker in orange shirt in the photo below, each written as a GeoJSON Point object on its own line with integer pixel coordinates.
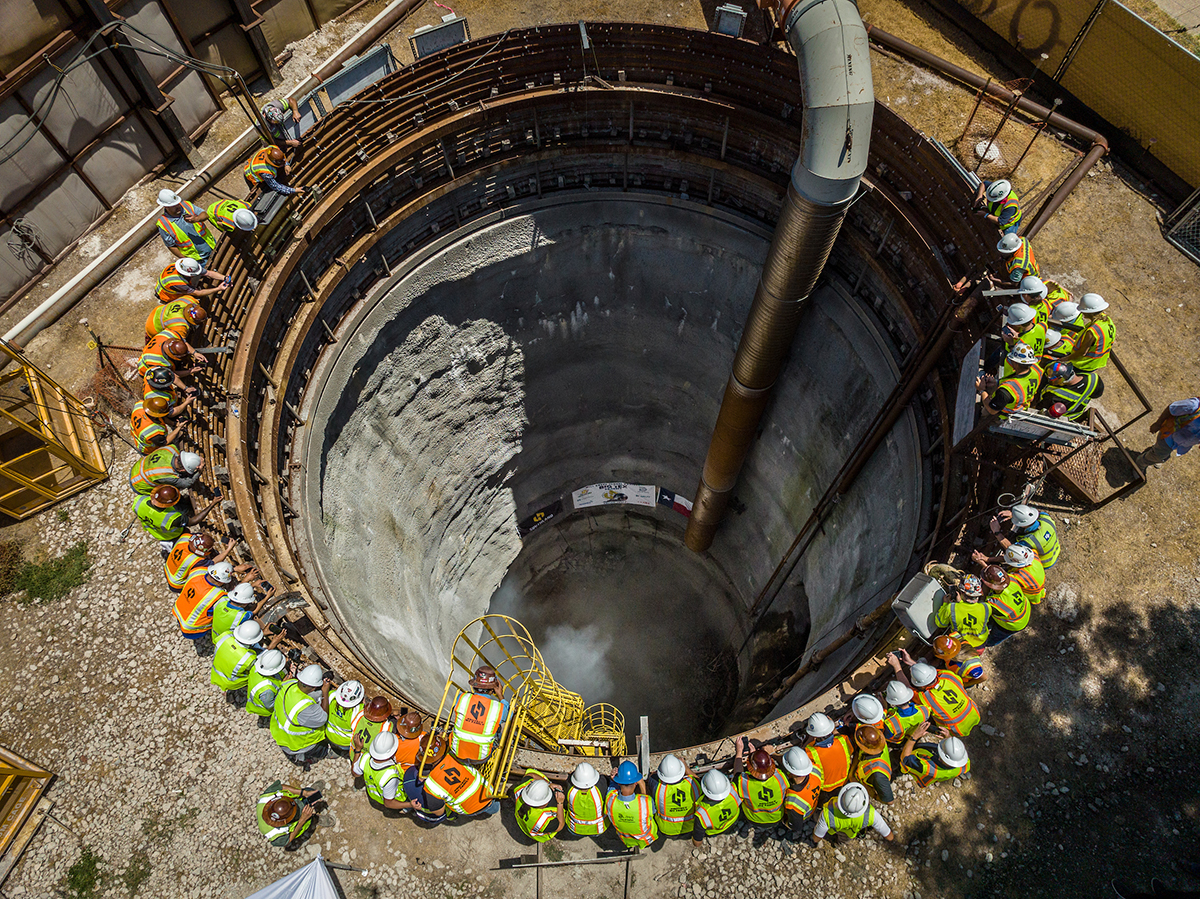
{"type": "Point", "coordinates": [410, 731]}
{"type": "Point", "coordinates": [829, 750]}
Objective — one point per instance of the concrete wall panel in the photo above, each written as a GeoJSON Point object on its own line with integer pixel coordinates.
{"type": "Point", "coordinates": [148, 16]}
{"type": "Point", "coordinates": [63, 211]}
{"type": "Point", "coordinates": [86, 103]}
{"type": "Point", "coordinates": [124, 157]}
{"type": "Point", "coordinates": [285, 21]}
{"type": "Point", "coordinates": [229, 47]}
{"type": "Point", "coordinates": [31, 164]}
{"type": "Point", "coordinates": [28, 26]}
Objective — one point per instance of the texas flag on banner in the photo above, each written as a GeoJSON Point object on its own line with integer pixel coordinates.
{"type": "Point", "coordinates": [676, 502]}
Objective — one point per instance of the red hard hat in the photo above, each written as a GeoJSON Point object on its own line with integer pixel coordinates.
{"type": "Point", "coordinates": [175, 349]}
{"type": "Point", "coordinates": [378, 709]}
{"type": "Point", "coordinates": [165, 495]}
{"type": "Point", "coordinates": [761, 764]}
{"type": "Point", "coordinates": [994, 577]}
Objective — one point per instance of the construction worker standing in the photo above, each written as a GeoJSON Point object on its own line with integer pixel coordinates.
{"type": "Point", "coordinates": [163, 518]}
{"type": "Point", "coordinates": [165, 350]}
{"type": "Point", "coordinates": [190, 551]}
{"type": "Point", "coordinates": [409, 731]}
{"type": "Point", "coordinates": [1010, 606]}
{"type": "Point", "coordinates": [263, 684]}
{"type": "Point", "coordinates": [1030, 528]}
{"type": "Point", "coordinates": [263, 171]}
{"type": "Point", "coordinates": [829, 750]}
{"type": "Point", "coordinates": [629, 808]}
{"type": "Point", "coordinates": [166, 465]}
{"type": "Point", "coordinates": [675, 796]}
{"type": "Point", "coordinates": [194, 605]}
{"type": "Point", "coordinates": [382, 777]}
{"type": "Point", "coordinates": [848, 815]}
{"type": "Point", "coordinates": [286, 816]}
{"type": "Point", "coordinates": [298, 716]}
{"type": "Point", "coordinates": [345, 710]}
{"type": "Point", "coordinates": [235, 653]}
{"type": "Point", "coordinates": [761, 787]}
{"type": "Point", "coordinates": [181, 227]}
{"type": "Point", "coordinates": [931, 763]}
{"type": "Point", "coordinates": [873, 768]}
{"type": "Point", "coordinates": [1099, 335]}
{"type": "Point", "coordinates": [1019, 261]}
{"type": "Point", "coordinates": [998, 203]}
{"type": "Point", "coordinates": [536, 818]}
{"type": "Point", "coordinates": [478, 717]}
{"type": "Point", "coordinates": [945, 696]}
{"type": "Point", "coordinates": [182, 279]}
{"type": "Point", "coordinates": [1023, 326]}
{"type": "Point", "coordinates": [1015, 392]}
{"type": "Point", "coordinates": [148, 423]}
{"type": "Point", "coordinates": [718, 808]}
{"type": "Point", "coordinates": [1177, 430]}
{"type": "Point", "coordinates": [1074, 389]}
{"type": "Point", "coordinates": [905, 714]}
{"type": "Point", "coordinates": [585, 802]}
{"type": "Point", "coordinates": [804, 788]}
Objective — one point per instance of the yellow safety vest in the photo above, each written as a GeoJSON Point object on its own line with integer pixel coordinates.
{"type": "Point", "coordinates": [585, 811]}
{"type": "Point", "coordinates": [183, 240]}
{"type": "Point", "coordinates": [1023, 388]}
{"type": "Point", "coordinates": [1104, 332]}
{"type": "Point", "coordinates": [836, 822]}
{"type": "Point", "coordinates": [762, 800]}
{"type": "Point", "coordinates": [674, 806]}
{"type": "Point", "coordinates": [632, 818]}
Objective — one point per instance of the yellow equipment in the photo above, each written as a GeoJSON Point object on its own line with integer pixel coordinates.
{"type": "Point", "coordinates": [539, 708]}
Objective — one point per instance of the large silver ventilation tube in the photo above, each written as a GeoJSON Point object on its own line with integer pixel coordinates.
{"type": "Point", "coordinates": [831, 46]}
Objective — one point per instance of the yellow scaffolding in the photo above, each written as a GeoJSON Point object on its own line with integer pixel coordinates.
{"type": "Point", "coordinates": [540, 709]}
{"type": "Point", "coordinates": [48, 446]}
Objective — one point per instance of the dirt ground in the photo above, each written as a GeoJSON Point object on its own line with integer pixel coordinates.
{"type": "Point", "coordinates": [1085, 770]}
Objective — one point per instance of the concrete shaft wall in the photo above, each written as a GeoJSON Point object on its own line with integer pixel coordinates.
{"type": "Point", "coordinates": [575, 341]}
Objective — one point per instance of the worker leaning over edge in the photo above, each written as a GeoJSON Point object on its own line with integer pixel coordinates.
{"type": "Point", "coordinates": [263, 684]}
{"type": "Point", "coordinates": [718, 809]}
{"type": "Point", "coordinates": [178, 317]}
{"type": "Point", "coordinates": [676, 793]}
{"type": "Point", "coordinates": [346, 708]}
{"type": "Point", "coordinates": [235, 653]}
{"type": "Point", "coordinates": [997, 202]}
{"type": "Point", "coordinates": [263, 171]}
{"type": "Point", "coordinates": [194, 604]}
{"type": "Point", "coordinates": [188, 552]}
{"type": "Point", "coordinates": [1030, 528]}
{"type": "Point", "coordinates": [906, 714]}
{"type": "Point", "coordinates": [849, 814]}
{"type": "Point", "coordinates": [165, 465]}
{"type": "Point", "coordinates": [181, 280]}
{"type": "Point", "coordinates": [238, 605]}
{"type": "Point", "coordinates": [148, 424]}
{"type": "Point", "coordinates": [942, 693]}
{"type": "Point", "coordinates": [298, 717]}
{"type": "Point", "coordinates": [585, 802]}
{"type": "Point", "coordinates": [1019, 261]}
{"type": "Point", "coordinates": [629, 809]}
{"type": "Point", "coordinates": [1016, 392]}
{"type": "Point", "coordinates": [931, 763]}
{"type": "Point", "coordinates": [537, 819]}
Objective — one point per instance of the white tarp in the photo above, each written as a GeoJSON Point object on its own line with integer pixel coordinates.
{"type": "Point", "coordinates": [310, 882]}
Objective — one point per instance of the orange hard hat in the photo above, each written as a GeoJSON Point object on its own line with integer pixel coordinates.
{"type": "Point", "coordinates": [195, 314]}
{"type": "Point", "coordinates": [761, 764]}
{"type": "Point", "coordinates": [281, 811]}
{"type": "Point", "coordinates": [202, 544]}
{"type": "Point", "coordinates": [869, 739]}
{"type": "Point", "coordinates": [485, 678]}
{"type": "Point", "coordinates": [994, 577]}
{"type": "Point", "coordinates": [156, 406]}
{"type": "Point", "coordinates": [175, 349]}
{"type": "Point", "coordinates": [275, 155]}
{"type": "Point", "coordinates": [947, 646]}
{"type": "Point", "coordinates": [410, 724]}
{"type": "Point", "coordinates": [378, 709]}
{"type": "Point", "coordinates": [164, 495]}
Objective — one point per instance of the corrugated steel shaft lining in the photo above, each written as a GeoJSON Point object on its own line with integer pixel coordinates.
{"type": "Point", "coordinates": [835, 72]}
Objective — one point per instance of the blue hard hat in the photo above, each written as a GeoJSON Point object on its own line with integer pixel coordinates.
{"type": "Point", "coordinates": [627, 773]}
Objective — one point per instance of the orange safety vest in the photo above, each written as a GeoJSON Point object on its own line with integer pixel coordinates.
{"type": "Point", "coordinates": [194, 605]}
{"type": "Point", "coordinates": [476, 720]}
{"type": "Point", "coordinates": [949, 705]}
{"type": "Point", "coordinates": [169, 317]}
{"type": "Point", "coordinates": [154, 356]}
{"type": "Point", "coordinates": [459, 786]}
{"type": "Point", "coordinates": [181, 563]}
{"type": "Point", "coordinates": [171, 285]}
{"type": "Point", "coordinates": [183, 240]}
{"type": "Point", "coordinates": [1022, 263]}
{"type": "Point", "coordinates": [833, 760]}
{"type": "Point", "coordinates": [407, 749]}
{"type": "Point", "coordinates": [150, 435]}
{"type": "Point", "coordinates": [802, 799]}
{"type": "Point", "coordinates": [258, 166]}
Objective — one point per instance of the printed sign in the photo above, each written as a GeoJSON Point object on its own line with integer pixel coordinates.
{"type": "Point", "coordinates": [615, 494]}
{"type": "Point", "coordinates": [540, 517]}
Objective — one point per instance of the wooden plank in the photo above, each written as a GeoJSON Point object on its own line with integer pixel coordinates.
{"type": "Point", "coordinates": [24, 837]}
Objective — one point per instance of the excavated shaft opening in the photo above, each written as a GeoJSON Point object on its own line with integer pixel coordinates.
{"type": "Point", "coordinates": [578, 341]}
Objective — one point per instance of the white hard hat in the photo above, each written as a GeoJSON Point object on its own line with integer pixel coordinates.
{"type": "Point", "coordinates": [819, 725]}
{"type": "Point", "coordinates": [670, 770]}
{"type": "Point", "coordinates": [242, 595]}
{"type": "Point", "coordinates": [221, 572]}
{"type": "Point", "coordinates": [1064, 313]}
{"type": "Point", "coordinates": [852, 799]}
{"type": "Point", "coordinates": [796, 762]}
{"type": "Point", "coordinates": [245, 219]}
{"type": "Point", "coordinates": [1008, 244]}
{"type": "Point", "coordinates": [923, 674]}
{"type": "Point", "coordinates": [998, 190]}
{"type": "Point", "coordinates": [270, 662]}
{"type": "Point", "coordinates": [190, 461]}
{"type": "Point", "coordinates": [1020, 314]}
{"type": "Point", "coordinates": [188, 267]}
{"type": "Point", "coordinates": [1092, 302]}
{"type": "Point", "coordinates": [167, 197]}
{"type": "Point", "coordinates": [584, 777]}
{"type": "Point", "coordinates": [867, 709]}
{"type": "Point", "coordinates": [248, 633]}
{"type": "Point", "coordinates": [952, 751]}
{"type": "Point", "coordinates": [383, 746]}
{"type": "Point", "coordinates": [536, 793]}
{"type": "Point", "coordinates": [1023, 516]}
{"type": "Point", "coordinates": [1034, 285]}
{"type": "Point", "coordinates": [1022, 354]}
{"type": "Point", "coordinates": [898, 693]}
{"type": "Point", "coordinates": [311, 676]}
{"type": "Point", "coordinates": [1018, 556]}
{"type": "Point", "coordinates": [1052, 337]}
{"type": "Point", "coordinates": [349, 694]}
{"type": "Point", "coordinates": [715, 786]}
